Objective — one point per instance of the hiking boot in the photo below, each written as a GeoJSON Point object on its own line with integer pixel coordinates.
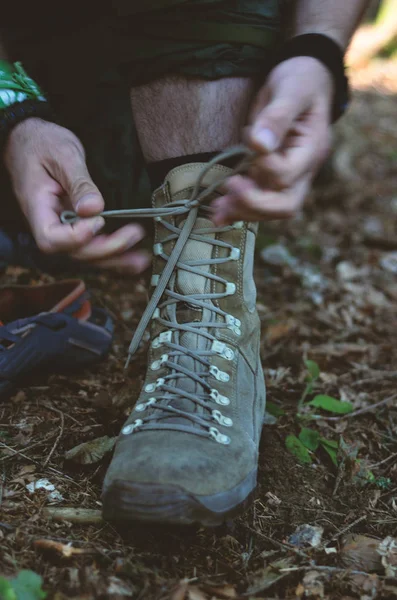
{"type": "Point", "coordinates": [189, 450]}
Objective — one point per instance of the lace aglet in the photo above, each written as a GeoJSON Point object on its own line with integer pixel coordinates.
{"type": "Point", "coordinates": [127, 362]}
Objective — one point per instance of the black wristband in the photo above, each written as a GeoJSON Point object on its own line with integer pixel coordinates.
{"type": "Point", "coordinates": [324, 49]}
{"type": "Point", "coordinates": [20, 111]}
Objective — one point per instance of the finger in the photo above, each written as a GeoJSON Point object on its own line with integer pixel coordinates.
{"type": "Point", "coordinates": [250, 203]}
{"type": "Point", "coordinates": [53, 236]}
{"type": "Point", "coordinates": [130, 262]}
{"type": "Point", "coordinates": [281, 170]}
{"type": "Point", "coordinates": [107, 246]}
{"type": "Point", "coordinates": [273, 123]}
{"type": "Point", "coordinates": [274, 115]}
{"type": "Point", "coordinates": [68, 167]}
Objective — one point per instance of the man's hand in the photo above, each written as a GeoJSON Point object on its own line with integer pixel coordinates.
{"type": "Point", "coordinates": [49, 175]}
{"type": "Point", "coordinates": [290, 130]}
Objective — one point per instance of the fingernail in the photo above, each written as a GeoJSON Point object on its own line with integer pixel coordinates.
{"type": "Point", "coordinates": [266, 138]}
{"type": "Point", "coordinates": [98, 224]}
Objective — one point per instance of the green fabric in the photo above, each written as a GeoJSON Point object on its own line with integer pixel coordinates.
{"type": "Point", "coordinates": [87, 72]}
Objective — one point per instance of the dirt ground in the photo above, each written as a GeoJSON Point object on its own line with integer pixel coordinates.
{"type": "Point", "coordinates": [328, 294]}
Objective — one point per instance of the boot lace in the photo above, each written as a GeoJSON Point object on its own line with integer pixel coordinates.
{"type": "Point", "coordinates": [161, 405]}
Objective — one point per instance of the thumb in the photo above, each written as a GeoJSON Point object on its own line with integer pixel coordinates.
{"type": "Point", "coordinates": [73, 175]}
{"type": "Point", "coordinates": [273, 123]}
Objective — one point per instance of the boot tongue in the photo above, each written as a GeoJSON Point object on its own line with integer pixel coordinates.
{"type": "Point", "coordinates": [188, 284]}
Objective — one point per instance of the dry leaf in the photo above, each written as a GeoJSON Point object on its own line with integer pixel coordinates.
{"type": "Point", "coordinates": [278, 331]}
{"type": "Point", "coordinates": [387, 549]}
{"type": "Point", "coordinates": [91, 452]}
{"type": "Point", "coordinates": [360, 552]}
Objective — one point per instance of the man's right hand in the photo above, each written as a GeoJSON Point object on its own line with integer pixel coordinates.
{"type": "Point", "coordinates": [49, 175]}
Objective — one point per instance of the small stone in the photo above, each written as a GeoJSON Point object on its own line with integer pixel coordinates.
{"type": "Point", "coordinates": [306, 535]}
{"type": "Point", "coordinates": [278, 255]}
{"type": "Point", "coordinates": [388, 262]}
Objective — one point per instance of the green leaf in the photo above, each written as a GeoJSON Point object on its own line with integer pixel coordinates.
{"type": "Point", "coordinates": [309, 438]}
{"type": "Point", "coordinates": [6, 591]}
{"type": "Point", "coordinates": [295, 446]}
{"type": "Point", "coordinates": [332, 453]}
{"type": "Point", "coordinates": [313, 368]}
{"type": "Point", "coordinates": [274, 409]}
{"type": "Point", "coordinates": [27, 586]}
{"type": "Point", "coordinates": [383, 483]}
{"type": "Point", "coordinates": [329, 443]}
{"type": "Point", "coordinates": [331, 404]}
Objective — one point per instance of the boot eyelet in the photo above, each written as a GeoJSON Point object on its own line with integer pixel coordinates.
{"type": "Point", "coordinates": [218, 436]}
{"type": "Point", "coordinates": [157, 364]}
{"type": "Point", "coordinates": [164, 337]}
{"type": "Point", "coordinates": [238, 225]}
{"type": "Point", "coordinates": [230, 289]}
{"type": "Point", "coordinates": [221, 419]}
{"type": "Point", "coordinates": [150, 387]}
{"type": "Point", "coordinates": [235, 254]}
{"type": "Point", "coordinates": [144, 405]}
{"type": "Point", "coordinates": [131, 427]}
{"type": "Point", "coordinates": [218, 398]}
{"type": "Point", "coordinates": [233, 324]}
{"type": "Point", "coordinates": [158, 249]}
{"type": "Point", "coordinates": [219, 375]}
{"type": "Point", "coordinates": [223, 350]}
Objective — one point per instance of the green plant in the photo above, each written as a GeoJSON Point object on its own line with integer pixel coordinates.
{"type": "Point", "coordinates": [313, 374]}
{"type": "Point", "coordinates": [27, 585]}
{"type": "Point", "coordinates": [309, 440]}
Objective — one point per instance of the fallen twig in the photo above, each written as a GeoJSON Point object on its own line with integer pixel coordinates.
{"type": "Point", "coordinates": [324, 568]}
{"type": "Point", "coordinates": [47, 460]}
{"type": "Point", "coordinates": [281, 545]}
{"type": "Point", "coordinates": [385, 460]}
{"type": "Point", "coordinates": [85, 516]}
{"type": "Point", "coordinates": [344, 530]}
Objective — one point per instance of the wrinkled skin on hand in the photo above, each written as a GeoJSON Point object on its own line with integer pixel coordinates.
{"type": "Point", "coordinates": [48, 171]}
{"type": "Point", "coordinates": [290, 130]}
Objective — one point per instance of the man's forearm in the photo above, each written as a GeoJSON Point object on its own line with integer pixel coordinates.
{"type": "Point", "coordinates": [337, 18]}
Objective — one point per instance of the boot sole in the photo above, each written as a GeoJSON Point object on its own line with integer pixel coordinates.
{"type": "Point", "coordinates": [124, 501]}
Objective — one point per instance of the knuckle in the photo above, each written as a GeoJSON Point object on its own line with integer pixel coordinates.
{"type": "Point", "coordinates": [70, 150]}
{"type": "Point", "coordinates": [81, 186]}
{"type": "Point", "coordinates": [282, 179]}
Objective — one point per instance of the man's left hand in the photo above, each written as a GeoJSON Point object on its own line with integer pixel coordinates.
{"type": "Point", "coordinates": [290, 131]}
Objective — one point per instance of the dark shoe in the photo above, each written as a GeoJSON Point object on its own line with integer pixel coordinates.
{"type": "Point", "coordinates": [189, 451]}
{"type": "Point", "coordinates": [49, 328]}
